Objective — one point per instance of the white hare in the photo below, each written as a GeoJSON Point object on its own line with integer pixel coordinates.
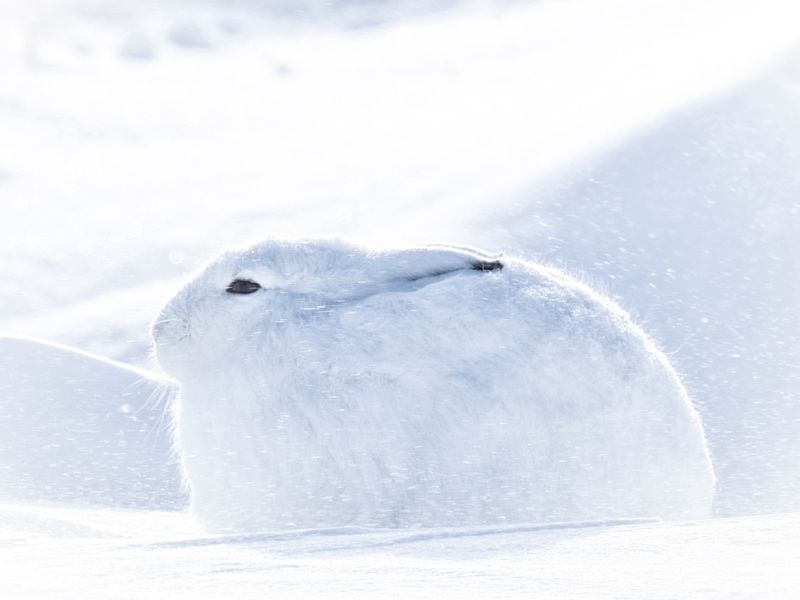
{"type": "Point", "coordinates": [324, 384]}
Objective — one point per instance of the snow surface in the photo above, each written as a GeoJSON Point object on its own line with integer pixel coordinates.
{"type": "Point", "coordinates": [101, 554]}
{"type": "Point", "coordinates": [651, 148]}
{"type": "Point", "coordinates": [77, 428]}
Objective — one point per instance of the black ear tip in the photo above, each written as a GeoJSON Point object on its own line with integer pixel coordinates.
{"type": "Point", "coordinates": [487, 265]}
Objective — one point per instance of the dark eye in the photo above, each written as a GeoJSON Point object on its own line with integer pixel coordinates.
{"type": "Point", "coordinates": [243, 286]}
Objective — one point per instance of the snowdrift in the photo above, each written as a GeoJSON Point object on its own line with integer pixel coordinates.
{"type": "Point", "coordinates": [78, 429]}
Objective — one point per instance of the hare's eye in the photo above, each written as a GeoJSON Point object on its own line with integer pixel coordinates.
{"type": "Point", "coordinates": [243, 286]}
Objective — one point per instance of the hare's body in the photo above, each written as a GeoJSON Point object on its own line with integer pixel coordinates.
{"type": "Point", "coordinates": [408, 388]}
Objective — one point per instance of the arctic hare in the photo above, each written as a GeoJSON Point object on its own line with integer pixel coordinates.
{"type": "Point", "coordinates": [324, 383]}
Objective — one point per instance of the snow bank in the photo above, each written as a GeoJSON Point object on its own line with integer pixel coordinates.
{"type": "Point", "coordinates": [76, 428]}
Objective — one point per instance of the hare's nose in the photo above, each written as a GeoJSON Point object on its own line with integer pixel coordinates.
{"type": "Point", "coordinates": [170, 328]}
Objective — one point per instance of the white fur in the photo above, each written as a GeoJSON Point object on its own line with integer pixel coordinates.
{"type": "Point", "coordinates": [401, 387]}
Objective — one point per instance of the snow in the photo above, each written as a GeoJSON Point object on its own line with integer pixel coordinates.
{"type": "Point", "coordinates": [81, 429]}
{"type": "Point", "coordinates": [397, 134]}
{"type": "Point", "coordinates": [145, 555]}
{"type": "Point", "coordinates": [649, 148]}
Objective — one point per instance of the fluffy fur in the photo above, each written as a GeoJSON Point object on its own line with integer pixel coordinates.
{"type": "Point", "coordinates": [405, 388]}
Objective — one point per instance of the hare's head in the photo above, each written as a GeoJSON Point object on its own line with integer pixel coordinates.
{"type": "Point", "coordinates": [245, 296]}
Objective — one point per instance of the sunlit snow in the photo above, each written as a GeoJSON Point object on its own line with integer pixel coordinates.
{"type": "Point", "coordinates": [650, 149]}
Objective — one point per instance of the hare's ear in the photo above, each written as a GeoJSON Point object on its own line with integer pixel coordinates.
{"type": "Point", "coordinates": [487, 265]}
{"type": "Point", "coordinates": [428, 261]}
